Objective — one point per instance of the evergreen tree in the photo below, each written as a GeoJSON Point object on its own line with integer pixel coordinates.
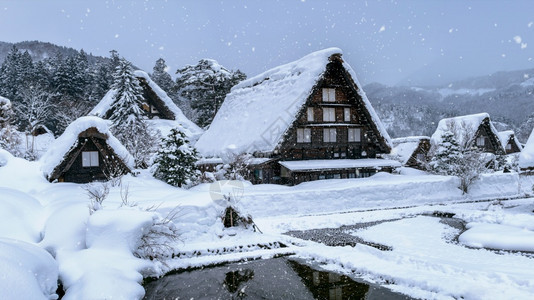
{"type": "Point", "coordinates": [127, 116]}
{"type": "Point", "coordinates": [203, 87]}
{"type": "Point", "coordinates": [9, 138]}
{"type": "Point", "coordinates": [161, 77]}
{"type": "Point", "coordinates": [175, 161]}
{"type": "Point", "coordinates": [447, 155]}
{"type": "Point", "coordinates": [126, 107]}
{"type": "Point", "coordinates": [449, 158]}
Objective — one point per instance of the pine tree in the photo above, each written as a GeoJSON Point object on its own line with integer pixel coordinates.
{"type": "Point", "coordinates": [161, 77]}
{"type": "Point", "coordinates": [446, 155]}
{"type": "Point", "coordinates": [175, 161]}
{"type": "Point", "coordinates": [128, 121]}
{"type": "Point", "coordinates": [449, 158]}
{"type": "Point", "coordinates": [9, 138]}
{"type": "Point", "coordinates": [203, 88]}
{"type": "Point", "coordinates": [126, 107]}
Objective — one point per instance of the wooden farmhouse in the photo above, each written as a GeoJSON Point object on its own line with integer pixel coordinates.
{"type": "Point", "coordinates": [411, 151]}
{"type": "Point", "coordinates": [471, 131]}
{"type": "Point", "coordinates": [509, 142]}
{"type": "Point", "coordinates": [303, 121]}
{"type": "Point", "coordinates": [158, 107]}
{"type": "Point", "coordinates": [86, 152]}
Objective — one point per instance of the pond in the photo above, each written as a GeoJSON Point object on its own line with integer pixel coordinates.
{"type": "Point", "coordinates": [277, 278]}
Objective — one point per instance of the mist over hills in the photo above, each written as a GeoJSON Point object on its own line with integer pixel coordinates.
{"type": "Point", "coordinates": [507, 96]}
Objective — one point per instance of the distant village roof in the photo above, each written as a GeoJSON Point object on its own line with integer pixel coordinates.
{"type": "Point", "coordinates": [462, 123]}
{"type": "Point", "coordinates": [526, 157]}
{"type": "Point", "coordinates": [189, 128]}
{"type": "Point", "coordinates": [504, 137]}
{"type": "Point", "coordinates": [404, 147]}
{"type": "Point", "coordinates": [258, 112]}
{"type": "Point", "coordinates": [69, 140]}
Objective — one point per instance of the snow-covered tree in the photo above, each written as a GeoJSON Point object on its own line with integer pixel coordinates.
{"type": "Point", "coordinates": [161, 77]}
{"type": "Point", "coordinates": [128, 120]}
{"type": "Point", "coordinates": [175, 161]}
{"type": "Point", "coordinates": [9, 138]}
{"type": "Point", "coordinates": [449, 157]}
{"type": "Point", "coordinates": [446, 155]}
{"type": "Point", "coordinates": [203, 88]}
{"type": "Point", "coordinates": [126, 107]}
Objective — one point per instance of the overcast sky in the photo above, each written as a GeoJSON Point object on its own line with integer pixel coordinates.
{"type": "Point", "coordinates": [391, 42]}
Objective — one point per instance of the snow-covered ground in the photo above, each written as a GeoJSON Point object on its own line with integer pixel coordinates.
{"type": "Point", "coordinates": [48, 232]}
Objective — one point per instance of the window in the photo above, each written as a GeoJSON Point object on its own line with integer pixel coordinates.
{"type": "Point", "coordinates": [329, 114]}
{"type": "Point", "coordinates": [310, 113]}
{"type": "Point", "coordinates": [153, 110]}
{"type": "Point", "coordinates": [508, 146]}
{"type": "Point", "coordinates": [354, 135]}
{"type": "Point", "coordinates": [329, 135]}
{"type": "Point", "coordinates": [346, 114]}
{"type": "Point", "coordinates": [90, 159]}
{"type": "Point", "coordinates": [329, 95]}
{"type": "Point", "coordinates": [303, 135]}
{"type": "Point", "coordinates": [420, 157]}
{"type": "Point", "coordinates": [481, 141]}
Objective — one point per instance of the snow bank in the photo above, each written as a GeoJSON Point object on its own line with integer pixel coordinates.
{"type": "Point", "coordinates": [21, 216]}
{"type": "Point", "coordinates": [58, 237]}
{"type": "Point", "coordinates": [27, 271]}
{"type": "Point", "coordinates": [107, 269]}
{"type": "Point", "coordinates": [498, 236]}
{"type": "Point", "coordinates": [382, 190]}
{"type": "Point", "coordinates": [69, 139]}
{"type": "Point", "coordinates": [258, 111]}
{"type": "Point", "coordinates": [5, 156]}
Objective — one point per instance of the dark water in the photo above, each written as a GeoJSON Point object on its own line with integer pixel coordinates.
{"type": "Point", "coordinates": [278, 278]}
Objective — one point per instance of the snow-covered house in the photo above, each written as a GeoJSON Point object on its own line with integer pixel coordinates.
{"type": "Point", "coordinates": [526, 157]}
{"type": "Point", "coordinates": [471, 131]}
{"type": "Point", "coordinates": [302, 121]}
{"type": "Point", "coordinates": [509, 142]}
{"type": "Point", "coordinates": [85, 152]}
{"type": "Point", "coordinates": [410, 151]}
{"type": "Point", "coordinates": [158, 107]}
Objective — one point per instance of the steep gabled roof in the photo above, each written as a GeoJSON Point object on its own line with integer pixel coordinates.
{"type": "Point", "coordinates": [60, 149]}
{"type": "Point", "coordinates": [403, 148]}
{"type": "Point", "coordinates": [467, 127]}
{"type": "Point", "coordinates": [526, 157]}
{"type": "Point", "coordinates": [257, 112]}
{"type": "Point", "coordinates": [161, 99]}
{"type": "Point", "coordinates": [505, 136]}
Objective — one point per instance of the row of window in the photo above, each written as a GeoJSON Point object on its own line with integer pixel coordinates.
{"type": "Point", "coordinates": [329, 135]}
{"type": "Point", "coordinates": [329, 114]}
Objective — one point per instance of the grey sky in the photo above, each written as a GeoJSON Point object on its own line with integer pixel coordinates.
{"type": "Point", "coordinates": [390, 42]}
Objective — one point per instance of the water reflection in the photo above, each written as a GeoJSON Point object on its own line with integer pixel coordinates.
{"type": "Point", "coordinates": [278, 278]}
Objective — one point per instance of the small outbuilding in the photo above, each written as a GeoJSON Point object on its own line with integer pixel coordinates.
{"type": "Point", "coordinates": [86, 152]}
{"type": "Point", "coordinates": [159, 109]}
{"type": "Point", "coordinates": [509, 142]}
{"type": "Point", "coordinates": [470, 131]}
{"type": "Point", "coordinates": [411, 151]}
